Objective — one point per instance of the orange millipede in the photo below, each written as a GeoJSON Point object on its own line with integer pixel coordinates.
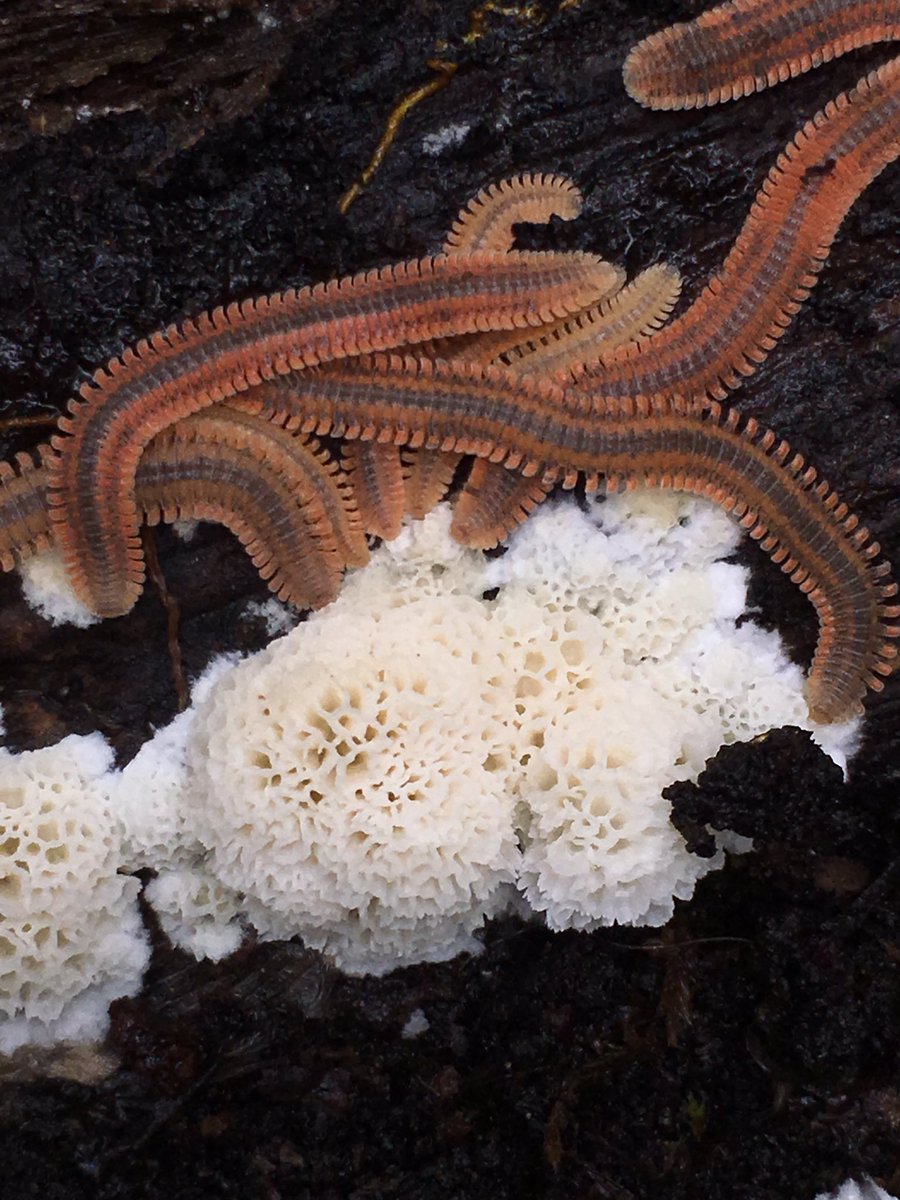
{"type": "Point", "coordinates": [276, 493]}
{"type": "Point", "coordinates": [743, 46]}
{"type": "Point", "coordinates": [305, 363]}
{"type": "Point", "coordinates": [187, 367]}
{"type": "Point", "coordinates": [487, 222]}
{"type": "Point", "coordinates": [749, 303]}
{"type": "Point", "coordinates": [552, 435]}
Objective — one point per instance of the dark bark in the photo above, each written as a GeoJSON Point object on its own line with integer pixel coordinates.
{"type": "Point", "coordinates": [191, 63]}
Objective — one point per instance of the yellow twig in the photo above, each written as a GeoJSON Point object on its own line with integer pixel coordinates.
{"type": "Point", "coordinates": [446, 71]}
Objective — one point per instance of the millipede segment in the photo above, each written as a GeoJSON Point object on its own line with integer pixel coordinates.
{"type": "Point", "coordinates": [318, 469]}
{"type": "Point", "coordinates": [750, 302]}
{"type": "Point", "coordinates": [375, 475]}
{"type": "Point", "coordinates": [493, 501]}
{"type": "Point", "coordinates": [24, 525]}
{"type": "Point", "coordinates": [257, 480]}
{"type": "Point", "coordinates": [743, 46]}
{"type": "Point", "coordinates": [188, 367]}
{"type": "Point", "coordinates": [219, 469]}
{"type": "Point", "coordinates": [487, 222]}
{"type": "Point", "coordinates": [628, 314]}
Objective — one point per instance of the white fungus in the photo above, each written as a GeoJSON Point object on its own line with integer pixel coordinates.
{"type": "Point", "coordinates": [71, 938]}
{"type": "Point", "coordinates": [415, 1025]}
{"type": "Point", "coordinates": [374, 780]}
{"type": "Point", "coordinates": [454, 735]}
{"type": "Point", "coordinates": [599, 844]}
{"type": "Point", "coordinates": [47, 589]}
{"type": "Point", "coordinates": [444, 139]}
{"type": "Point", "coordinates": [148, 797]}
{"type": "Point", "coordinates": [197, 913]}
{"type": "Point", "coordinates": [277, 617]}
{"type": "Point", "coordinates": [343, 785]}
{"type": "Point", "coordinates": [867, 1190]}
{"type": "Point", "coordinates": [151, 795]}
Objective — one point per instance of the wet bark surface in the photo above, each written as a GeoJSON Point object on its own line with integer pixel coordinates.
{"type": "Point", "coordinates": [191, 63]}
{"type": "Point", "coordinates": [751, 1047]}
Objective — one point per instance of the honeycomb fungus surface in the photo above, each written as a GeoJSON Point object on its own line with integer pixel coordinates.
{"type": "Point", "coordinates": [348, 785]}
{"type": "Point", "coordinates": [70, 934]}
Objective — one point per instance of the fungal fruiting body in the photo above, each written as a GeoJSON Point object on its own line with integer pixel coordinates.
{"type": "Point", "coordinates": [381, 803]}
{"type": "Point", "coordinates": [354, 811]}
{"type": "Point", "coordinates": [743, 46]}
{"type": "Point", "coordinates": [454, 726]}
{"type": "Point", "coordinates": [71, 938]}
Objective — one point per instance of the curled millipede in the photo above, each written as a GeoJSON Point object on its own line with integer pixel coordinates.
{"type": "Point", "coordinates": [213, 467]}
{"type": "Point", "coordinates": [743, 46]}
{"type": "Point", "coordinates": [315, 465]}
{"type": "Point", "coordinates": [260, 482]}
{"type": "Point", "coordinates": [486, 222]}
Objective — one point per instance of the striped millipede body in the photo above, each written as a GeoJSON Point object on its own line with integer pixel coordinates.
{"type": "Point", "coordinates": [551, 435]}
{"type": "Point", "coordinates": [375, 476]}
{"type": "Point", "coordinates": [486, 223]}
{"type": "Point", "coordinates": [187, 367]}
{"type": "Point", "coordinates": [275, 492]}
{"type": "Point", "coordinates": [493, 501]}
{"type": "Point", "coordinates": [743, 46]}
{"type": "Point", "coordinates": [751, 300]}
